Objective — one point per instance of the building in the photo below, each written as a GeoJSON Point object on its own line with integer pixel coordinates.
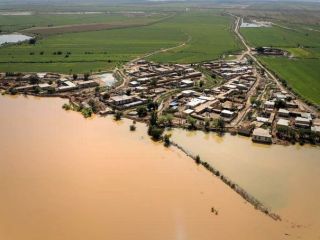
{"type": "Point", "coordinates": [283, 112]}
{"type": "Point", "coordinates": [261, 135]}
{"type": "Point", "coordinates": [227, 114]}
{"type": "Point", "coordinates": [269, 104]}
{"type": "Point", "coordinates": [87, 84]}
{"type": "Point", "coordinates": [66, 86]}
{"type": "Point", "coordinates": [44, 86]}
{"type": "Point", "coordinates": [121, 100]}
{"type": "Point", "coordinates": [302, 122]}
{"type": "Point", "coordinates": [187, 83]}
{"type": "Point", "coordinates": [283, 123]}
{"type": "Point", "coordinates": [134, 84]}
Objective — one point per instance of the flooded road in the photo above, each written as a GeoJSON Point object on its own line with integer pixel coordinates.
{"type": "Point", "coordinates": [284, 178]}
{"type": "Point", "coordinates": [69, 178]}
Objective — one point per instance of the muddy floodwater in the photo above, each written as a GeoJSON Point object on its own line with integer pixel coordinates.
{"type": "Point", "coordinates": [69, 178]}
{"type": "Point", "coordinates": [284, 178]}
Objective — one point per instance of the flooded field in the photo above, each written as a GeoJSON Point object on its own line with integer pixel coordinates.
{"type": "Point", "coordinates": [13, 38]}
{"type": "Point", "coordinates": [108, 79]}
{"type": "Point", "coordinates": [286, 179]}
{"type": "Point", "coordinates": [69, 178]}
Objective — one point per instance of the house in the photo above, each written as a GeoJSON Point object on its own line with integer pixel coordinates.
{"type": "Point", "coordinates": [283, 123]}
{"type": "Point", "coordinates": [188, 111]}
{"type": "Point", "coordinates": [302, 122]}
{"type": "Point", "coordinates": [186, 83]}
{"type": "Point", "coordinates": [194, 102]}
{"type": "Point", "coordinates": [66, 86]}
{"type": "Point", "coordinates": [269, 104]}
{"type": "Point", "coordinates": [134, 84]}
{"type": "Point", "coordinates": [44, 86]}
{"type": "Point", "coordinates": [315, 129]}
{"type": "Point", "coordinates": [87, 84]}
{"type": "Point", "coordinates": [262, 119]}
{"type": "Point", "coordinates": [283, 112]}
{"type": "Point", "coordinates": [188, 93]}
{"type": "Point", "coordinates": [121, 100]}
{"type": "Point", "coordinates": [227, 114]}
{"type": "Point", "coordinates": [261, 135]}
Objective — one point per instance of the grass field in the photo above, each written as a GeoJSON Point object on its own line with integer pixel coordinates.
{"type": "Point", "coordinates": [210, 37]}
{"type": "Point", "coordinates": [303, 75]}
{"type": "Point", "coordinates": [302, 72]}
{"type": "Point", "coordinates": [209, 34]}
{"type": "Point", "coordinates": [17, 23]}
{"type": "Point", "coordinates": [279, 37]}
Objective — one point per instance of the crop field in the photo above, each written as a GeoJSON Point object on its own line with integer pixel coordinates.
{"type": "Point", "coordinates": [303, 75]}
{"type": "Point", "coordinates": [280, 37]}
{"type": "Point", "coordinates": [210, 36]}
{"type": "Point", "coordinates": [207, 36]}
{"type": "Point", "coordinates": [12, 23]}
{"type": "Point", "coordinates": [302, 70]}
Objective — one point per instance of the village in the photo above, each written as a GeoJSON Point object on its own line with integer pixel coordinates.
{"type": "Point", "coordinates": [222, 96]}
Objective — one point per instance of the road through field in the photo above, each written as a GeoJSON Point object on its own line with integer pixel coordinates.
{"type": "Point", "coordinates": [248, 53]}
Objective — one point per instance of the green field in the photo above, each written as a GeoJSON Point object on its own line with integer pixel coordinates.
{"type": "Point", "coordinates": [210, 37]}
{"type": "Point", "coordinates": [209, 34]}
{"type": "Point", "coordinates": [279, 37]}
{"type": "Point", "coordinates": [16, 23]}
{"type": "Point", "coordinates": [303, 75]}
{"type": "Point", "coordinates": [302, 71]}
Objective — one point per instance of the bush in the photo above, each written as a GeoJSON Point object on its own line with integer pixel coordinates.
{"type": "Point", "coordinates": [132, 128]}
{"type": "Point", "coordinates": [166, 140]}
{"type": "Point", "coordinates": [198, 160]}
{"type": "Point", "coordinates": [118, 115]}
{"type": "Point", "coordinates": [86, 112]}
{"type": "Point", "coordinates": [34, 79]}
{"type": "Point", "coordinates": [51, 90]}
{"type": "Point", "coordinates": [142, 111]}
{"type": "Point", "coordinates": [155, 132]}
{"type": "Point", "coordinates": [86, 76]}
{"type": "Point", "coordinates": [32, 41]}
{"type": "Point", "coordinates": [66, 106]}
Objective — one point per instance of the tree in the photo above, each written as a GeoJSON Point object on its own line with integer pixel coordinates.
{"type": "Point", "coordinates": [166, 140]}
{"type": "Point", "coordinates": [34, 79]}
{"type": "Point", "coordinates": [153, 82]}
{"type": "Point", "coordinates": [165, 120]}
{"type": "Point", "coordinates": [152, 105]}
{"type": "Point", "coordinates": [118, 115]}
{"type": "Point", "coordinates": [155, 132]}
{"type": "Point", "coordinates": [198, 160]}
{"type": "Point", "coordinates": [280, 104]}
{"type": "Point", "coordinates": [51, 90]}
{"type": "Point", "coordinates": [219, 124]}
{"type": "Point", "coordinates": [142, 111]}
{"type": "Point", "coordinates": [128, 92]}
{"type": "Point", "coordinates": [192, 122]}
{"type": "Point", "coordinates": [207, 124]}
{"type": "Point", "coordinates": [86, 76]}
{"type": "Point", "coordinates": [260, 50]}
{"type": "Point", "coordinates": [132, 127]}
{"type": "Point", "coordinates": [153, 118]}
{"type": "Point", "coordinates": [75, 76]}
{"type": "Point", "coordinates": [32, 41]}
{"type": "Point", "coordinates": [201, 83]}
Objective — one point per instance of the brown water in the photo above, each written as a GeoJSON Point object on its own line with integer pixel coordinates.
{"type": "Point", "coordinates": [287, 179]}
{"type": "Point", "coordinates": [66, 178]}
